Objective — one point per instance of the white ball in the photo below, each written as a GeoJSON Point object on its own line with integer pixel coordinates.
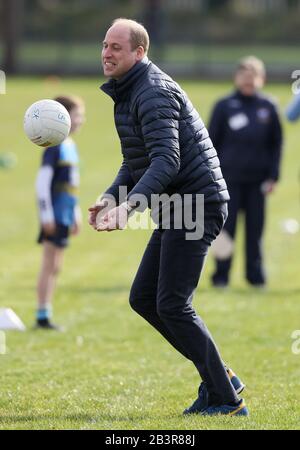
{"type": "Point", "coordinates": [47, 123]}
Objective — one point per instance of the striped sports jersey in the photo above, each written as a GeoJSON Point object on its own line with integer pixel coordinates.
{"type": "Point", "coordinates": [57, 183]}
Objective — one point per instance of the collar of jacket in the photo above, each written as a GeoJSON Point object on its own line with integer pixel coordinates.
{"type": "Point", "coordinates": [116, 89]}
{"type": "Point", "coordinates": [245, 98]}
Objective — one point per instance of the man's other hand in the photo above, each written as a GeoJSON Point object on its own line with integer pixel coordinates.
{"type": "Point", "coordinates": [99, 210]}
{"type": "Point", "coordinates": [115, 219]}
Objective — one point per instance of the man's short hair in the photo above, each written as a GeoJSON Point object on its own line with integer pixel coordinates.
{"type": "Point", "coordinates": [138, 33]}
{"type": "Point", "coordinates": [252, 63]}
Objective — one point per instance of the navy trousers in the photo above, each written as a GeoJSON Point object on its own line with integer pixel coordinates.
{"type": "Point", "coordinates": [162, 293]}
{"type": "Point", "coordinates": [249, 198]}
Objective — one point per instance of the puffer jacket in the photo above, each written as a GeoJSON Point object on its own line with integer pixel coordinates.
{"type": "Point", "coordinates": [165, 145]}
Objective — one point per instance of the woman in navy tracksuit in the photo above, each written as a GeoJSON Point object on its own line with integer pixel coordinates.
{"type": "Point", "coordinates": [246, 132]}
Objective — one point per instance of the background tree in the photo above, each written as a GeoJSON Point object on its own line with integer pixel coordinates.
{"type": "Point", "coordinates": [11, 26]}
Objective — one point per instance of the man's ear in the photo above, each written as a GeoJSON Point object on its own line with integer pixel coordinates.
{"type": "Point", "coordinates": [140, 53]}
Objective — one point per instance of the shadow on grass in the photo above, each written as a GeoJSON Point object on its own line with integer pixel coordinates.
{"type": "Point", "coordinates": [249, 291]}
{"type": "Point", "coordinates": [97, 289]}
{"type": "Point", "coordinates": [80, 417]}
{"type": "Point", "coordinates": [36, 417]}
{"type": "Point", "coordinates": [243, 291]}
{"type": "Point", "coordinates": [201, 290]}
{"type": "Point", "coordinates": [72, 288]}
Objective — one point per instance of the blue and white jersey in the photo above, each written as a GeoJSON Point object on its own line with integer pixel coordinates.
{"type": "Point", "coordinates": [57, 183]}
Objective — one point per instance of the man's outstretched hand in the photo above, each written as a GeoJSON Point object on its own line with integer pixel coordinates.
{"type": "Point", "coordinates": [99, 210]}
{"type": "Point", "coordinates": [115, 219]}
{"type": "Point", "coordinates": [105, 216]}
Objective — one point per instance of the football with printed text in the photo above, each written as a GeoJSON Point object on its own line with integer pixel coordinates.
{"type": "Point", "coordinates": [47, 123]}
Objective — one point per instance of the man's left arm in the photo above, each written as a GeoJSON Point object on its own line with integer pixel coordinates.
{"type": "Point", "coordinates": [158, 114]}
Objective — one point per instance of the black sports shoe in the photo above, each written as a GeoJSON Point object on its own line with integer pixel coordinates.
{"type": "Point", "coordinates": [236, 382]}
{"type": "Point", "coordinates": [240, 409]}
{"type": "Point", "coordinates": [201, 403]}
{"type": "Point", "coordinates": [46, 324]}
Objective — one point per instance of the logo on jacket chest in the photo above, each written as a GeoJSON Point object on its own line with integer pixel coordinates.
{"type": "Point", "coordinates": [263, 115]}
{"type": "Point", "coordinates": [238, 121]}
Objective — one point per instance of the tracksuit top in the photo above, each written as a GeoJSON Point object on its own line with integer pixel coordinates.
{"type": "Point", "coordinates": [247, 135]}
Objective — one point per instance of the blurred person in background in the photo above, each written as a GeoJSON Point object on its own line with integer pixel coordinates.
{"type": "Point", "coordinates": [246, 131]}
{"type": "Point", "coordinates": [59, 213]}
{"type": "Point", "coordinates": [292, 113]}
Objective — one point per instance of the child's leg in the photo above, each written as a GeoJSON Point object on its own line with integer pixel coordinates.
{"type": "Point", "coordinates": [51, 264]}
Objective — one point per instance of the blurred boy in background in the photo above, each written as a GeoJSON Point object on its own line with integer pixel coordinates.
{"type": "Point", "coordinates": [246, 132]}
{"type": "Point", "coordinates": [56, 187]}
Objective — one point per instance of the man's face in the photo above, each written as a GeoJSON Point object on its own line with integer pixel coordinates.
{"type": "Point", "coordinates": [248, 82]}
{"type": "Point", "coordinates": [117, 55]}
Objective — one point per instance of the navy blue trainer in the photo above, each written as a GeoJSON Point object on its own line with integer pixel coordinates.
{"type": "Point", "coordinates": [238, 385]}
{"type": "Point", "coordinates": [240, 409]}
{"type": "Point", "coordinates": [201, 403]}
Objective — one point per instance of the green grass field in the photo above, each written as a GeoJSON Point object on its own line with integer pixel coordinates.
{"type": "Point", "coordinates": [111, 370]}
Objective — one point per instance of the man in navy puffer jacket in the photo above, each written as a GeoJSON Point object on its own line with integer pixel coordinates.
{"type": "Point", "coordinates": [166, 150]}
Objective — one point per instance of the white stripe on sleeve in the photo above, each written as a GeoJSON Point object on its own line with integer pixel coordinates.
{"type": "Point", "coordinates": [43, 191]}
